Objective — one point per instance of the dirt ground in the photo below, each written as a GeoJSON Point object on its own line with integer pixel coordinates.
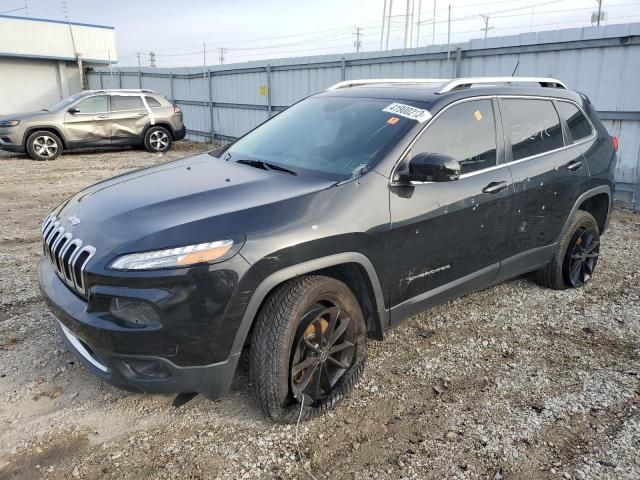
{"type": "Point", "coordinates": [515, 382]}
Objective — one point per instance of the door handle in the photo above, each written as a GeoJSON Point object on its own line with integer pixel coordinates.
{"type": "Point", "coordinates": [495, 187]}
{"type": "Point", "coordinates": [574, 165]}
{"type": "Point", "coordinates": [143, 114]}
{"type": "Point", "coordinates": [103, 116]}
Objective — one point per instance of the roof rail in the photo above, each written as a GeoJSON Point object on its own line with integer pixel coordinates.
{"type": "Point", "coordinates": [468, 82]}
{"type": "Point", "coordinates": [356, 83]}
{"type": "Point", "coordinates": [124, 90]}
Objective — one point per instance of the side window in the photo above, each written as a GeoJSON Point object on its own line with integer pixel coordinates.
{"type": "Point", "coordinates": [466, 133]}
{"type": "Point", "coordinates": [578, 124]}
{"type": "Point", "coordinates": [152, 102]}
{"type": "Point", "coordinates": [126, 102]}
{"type": "Point", "coordinates": [97, 104]}
{"type": "Point", "coordinates": [532, 125]}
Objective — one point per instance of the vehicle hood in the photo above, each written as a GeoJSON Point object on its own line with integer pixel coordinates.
{"type": "Point", "coordinates": [188, 201]}
{"type": "Point", "coordinates": [26, 116]}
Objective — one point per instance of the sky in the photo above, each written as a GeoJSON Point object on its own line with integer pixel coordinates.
{"type": "Point", "coordinates": [192, 32]}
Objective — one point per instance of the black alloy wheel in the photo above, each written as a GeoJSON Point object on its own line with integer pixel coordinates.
{"type": "Point", "coordinates": [323, 352]}
{"type": "Point", "coordinates": [582, 256]}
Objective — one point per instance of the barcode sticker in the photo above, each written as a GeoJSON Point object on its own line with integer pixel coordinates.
{"type": "Point", "coordinates": [408, 111]}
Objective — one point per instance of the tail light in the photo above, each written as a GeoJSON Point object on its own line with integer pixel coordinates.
{"type": "Point", "coordinates": [177, 109]}
{"type": "Point", "coordinates": [614, 140]}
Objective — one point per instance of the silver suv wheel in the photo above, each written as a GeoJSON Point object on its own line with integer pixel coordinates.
{"type": "Point", "coordinates": [159, 140]}
{"type": "Point", "coordinates": [45, 146]}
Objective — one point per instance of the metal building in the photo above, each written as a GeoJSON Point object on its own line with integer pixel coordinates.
{"type": "Point", "coordinates": [41, 60]}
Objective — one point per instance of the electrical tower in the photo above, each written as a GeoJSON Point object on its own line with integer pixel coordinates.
{"type": "Point", "coordinates": [486, 28]}
{"type": "Point", "coordinates": [358, 42]}
{"type": "Point", "coordinates": [152, 59]}
{"type": "Point", "coordinates": [221, 57]}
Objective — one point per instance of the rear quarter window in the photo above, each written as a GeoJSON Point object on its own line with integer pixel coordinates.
{"type": "Point", "coordinates": [152, 102]}
{"type": "Point", "coordinates": [578, 124]}
{"type": "Point", "coordinates": [532, 126]}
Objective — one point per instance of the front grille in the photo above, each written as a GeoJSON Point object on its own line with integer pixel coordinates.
{"type": "Point", "coordinates": [68, 255]}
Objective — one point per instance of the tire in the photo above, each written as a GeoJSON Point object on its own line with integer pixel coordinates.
{"type": "Point", "coordinates": [43, 145]}
{"type": "Point", "coordinates": [157, 140]}
{"type": "Point", "coordinates": [578, 248]}
{"type": "Point", "coordinates": [296, 316]}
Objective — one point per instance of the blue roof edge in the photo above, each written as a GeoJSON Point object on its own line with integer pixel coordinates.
{"type": "Point", "coordinates": [45, 20]}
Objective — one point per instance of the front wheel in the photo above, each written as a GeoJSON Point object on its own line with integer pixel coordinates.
{"type": "Point", "coordinates": [157, 140]}
{"type": "Point", "coordinates": [576, 255]}
{"type": "Point", "coordinates": [44, 145]}
{"type": "Point", "coordinates": [308, 348]}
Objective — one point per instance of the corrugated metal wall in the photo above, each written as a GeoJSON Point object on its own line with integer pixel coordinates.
{"type": "Point", "coordinates": [223, 102]}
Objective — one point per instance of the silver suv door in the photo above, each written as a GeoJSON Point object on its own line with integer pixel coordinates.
{"type": "Point", "coordinates": [129, 117]}
{"type": "Point", "coordinates": [88, 122]}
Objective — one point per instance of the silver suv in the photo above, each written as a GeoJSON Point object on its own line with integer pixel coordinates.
{"type": "Point", "coordinates": [95, 118]}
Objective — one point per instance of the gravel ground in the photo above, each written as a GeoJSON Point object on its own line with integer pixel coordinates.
{"type": "Point", "coordinates": [512, 382]}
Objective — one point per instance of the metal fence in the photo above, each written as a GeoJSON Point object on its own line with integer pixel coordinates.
{"type": "Point", "coordinates": [220, 103]}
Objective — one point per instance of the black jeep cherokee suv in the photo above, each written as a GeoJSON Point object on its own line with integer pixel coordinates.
{"type": "Point", "coordinates": [328, 224]}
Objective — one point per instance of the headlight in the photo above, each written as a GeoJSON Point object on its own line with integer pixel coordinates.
{"type": "Point", "coordinates": [9, 123]}
{"type": "Point", "coordinates": [173, 257]}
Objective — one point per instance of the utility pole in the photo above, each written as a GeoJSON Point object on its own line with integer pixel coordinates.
{"type": "Point", "coordinates": [204, 54]}
{"type": "Point", "coordinates": [357, 43]}
{"type": "Point", "coordinates": [407, 25]}
{"type": "Point", "coordinates": [138, 55]}
{"type": "Point", "coordinates": [433, 36]}
{"type": "Point", "coordinates": [152, 59]}
{"type": "Point", "coordinates": [418, 23]}
{"type": "Point", "coordinates": [221, 57]}
{"type": "Point", "coordinates": [386, 46]}
{"type": "Point", "coordinates": [448, 35]}
{"type": "Point", "coordinates": [486, 28]}
{"type": "Point", "coordinates": [599, 12]}
{"type": "Point", "coordinates": [384, 16]}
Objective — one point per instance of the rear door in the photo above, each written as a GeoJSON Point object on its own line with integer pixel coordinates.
{"type": "Point", "coordinates": [129, 117]}
{"type": "Point", "coordinates": [548, 172]}
{"type": "Point", "coordinates": [91, 124]}
{"type": "Point", "coordinates": [448, 237]}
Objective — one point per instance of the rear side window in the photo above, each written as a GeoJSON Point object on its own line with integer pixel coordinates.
{"type": "Point", "coordinates": [126, 102]}
{"type": "Point", "coordinates": [152, 102]}
{"type": "Point", "coordinates": [532, 126]}
{"type": "Point", "coordinates": [576, 121]}
{"type": "Point", "coordinates": [465, 132]}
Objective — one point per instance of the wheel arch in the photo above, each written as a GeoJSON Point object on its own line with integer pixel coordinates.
{"type": "Point", "coordinates": [47, 128]}
{"type": "Point", "coordinates": [352, 268]}
{"type": "Point", "coordinates": [162, 124]}
{"type": "Point", "coordinates": [596, 201]}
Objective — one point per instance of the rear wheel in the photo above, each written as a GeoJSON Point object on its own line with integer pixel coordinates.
{"type": "Point", "coordinates": [308, 348]}
{"type": "Point", "coordinates": [157, 140]}
{"type": "Point", "coordinates": [43, 145]}
{"type": "Point", "coordinates": [576, 256]}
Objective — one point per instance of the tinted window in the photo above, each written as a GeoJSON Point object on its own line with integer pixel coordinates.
{"type": "Point", "coordinates": [96, 104]}
{"type": "Point", "coordinates": [578, 124]}
{"type": "Point", "coordinates": [466, 133]}
{"type": "Point", "coordinates": [338, 137]}
{"type": "Point", "coordinates": [152, 102]}
{"type": "Point", "coordinates": [532, 125]}
{"type": "Point", "coordinates": [122, 102]}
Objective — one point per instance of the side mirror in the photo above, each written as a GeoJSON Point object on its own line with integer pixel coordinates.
{"type": "Point", "coordinates": [74, 110]}
{"type": "Point", "coordinates": [433, 167]}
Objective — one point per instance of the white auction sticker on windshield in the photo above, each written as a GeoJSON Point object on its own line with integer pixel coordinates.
{"type": "Point", "coordinates": [408, 111]}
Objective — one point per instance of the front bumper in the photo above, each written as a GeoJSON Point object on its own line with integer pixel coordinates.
{"type": "Point", "coordinates": [135, 359]}
{"type": "Point", "coordinates": [11, 140]}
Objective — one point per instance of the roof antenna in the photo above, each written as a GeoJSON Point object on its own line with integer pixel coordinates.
{"type": "Point", "coordinates": [515, 69]}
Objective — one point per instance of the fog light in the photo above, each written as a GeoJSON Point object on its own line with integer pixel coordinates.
{"type": "Point", "coordinates": [135, 312]}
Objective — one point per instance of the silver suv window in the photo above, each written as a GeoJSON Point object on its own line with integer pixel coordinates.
{"type": "Point", "coordinates": [126, 102]}
{"type": "Point", "coordinates": [97, 104]}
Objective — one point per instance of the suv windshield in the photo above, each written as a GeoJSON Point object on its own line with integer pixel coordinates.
{"type": "Point", "coordinates": [339, 137]}
{"type": "Point", "coordinates": [64, 103]}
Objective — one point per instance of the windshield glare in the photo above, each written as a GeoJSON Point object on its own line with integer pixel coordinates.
{"type": "Point", "coordinates": [64, 103]}
{"type": "Point", "coordinates": [340, 137]}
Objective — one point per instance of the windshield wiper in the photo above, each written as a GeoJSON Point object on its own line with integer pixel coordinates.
{"type": "Point", "coordinates": [266, 166]}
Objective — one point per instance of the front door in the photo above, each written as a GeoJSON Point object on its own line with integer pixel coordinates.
{"type": "Point", "coordinates": [129, 117]}
{"type": "Point", "coordinates": [90, 122]}
{"type": "Point", "coordinates": [448, 237]}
